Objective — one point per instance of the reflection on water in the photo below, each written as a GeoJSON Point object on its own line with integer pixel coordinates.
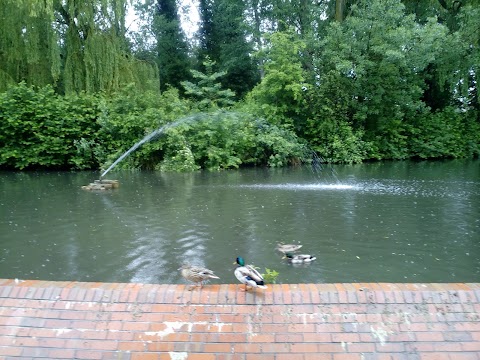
{"type": "Point", "coordinates": [314, 186]}
{"type": "Point", "coordinates": [400, 222]}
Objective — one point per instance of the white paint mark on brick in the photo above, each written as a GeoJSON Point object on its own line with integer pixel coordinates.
{"type": "Point", "coordinates": [379, 334]}
{"type": "Point", "coordinates": [178, 355]}
{"type": "Point", "coordinates": [172, 326]}
{"type": "Point", "coordinates": [250, 331]}
{"type": "Point", "coordinates": [304, 316]}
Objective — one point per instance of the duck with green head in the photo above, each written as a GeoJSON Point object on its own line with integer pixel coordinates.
{"type": "Point", "coordinates": [248, 275]}
{"type": "Point", "coordinates": [300, 258]}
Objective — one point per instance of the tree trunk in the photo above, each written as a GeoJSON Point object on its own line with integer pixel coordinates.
{"type": "Point", "coordinates": [339, 10]}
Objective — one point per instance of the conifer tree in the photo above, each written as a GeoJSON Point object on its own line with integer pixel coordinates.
{"type": "Point", "coordinates": [172, 48]}
{"type": "Point", "coordinates": [223, 38]}
{"type": "Point", "coordinates": [207, 91]}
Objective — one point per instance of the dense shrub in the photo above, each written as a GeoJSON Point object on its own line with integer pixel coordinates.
{"type": "Point", "coordinates": [224, 140]}
{"type": "Point", "coordinates": [445, 134]}
{"type": "Point", "coordinates": [41, 129]}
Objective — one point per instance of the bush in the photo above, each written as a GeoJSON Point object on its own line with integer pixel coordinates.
{"type": "Point", "coordinates": [129, 116]}
{"type": "Point", "coordinates": [41, 129]}
{"type": "Point", "coordinates": [337, 142]}
{"type": "Point", "coordinates": [225, 140]}
{"type": "Point", "coordinates": [445, 134]}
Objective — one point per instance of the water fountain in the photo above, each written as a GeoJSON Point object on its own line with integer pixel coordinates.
{"type": "Point", "coordinates": [104, 184]}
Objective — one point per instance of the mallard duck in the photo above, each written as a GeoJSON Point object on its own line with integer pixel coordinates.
{"type": "Point", "coordinates": [248, 275]}
{"type": "Point", "coordinates": [197, 274]}
{"type": "Point", "coordinates": [300, 258]}
{"type": "Point", "coordinates": [288, 248]}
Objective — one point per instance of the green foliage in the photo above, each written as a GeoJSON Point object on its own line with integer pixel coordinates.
{"type": "Point", "coordinates": [337, 142]}
{"type": "Point", "coordinates": [94, 47]}
{"type": "Point", "coordinates": [329, 129]}
{"type": "Point", "coordinates": [391, 80]}
{"type": "Point", "coordinates": [369, 78]}
{"type": "Point", "coordinates": [83, 110]}
{"type": "Point", "coordinates": [226, 140]}
{"type": "Point", "coordinates": [445, 134]}
{"type": "Point", "coordinates": [450, 77]}
{"type": "Point", "coordinates": [391, 141]}
{"type": "Point", "coordinates": [40, 129]}
{"type": "Point", "coordinates": [280, 146]}
{"type": "Point", "coordinates": [223, 38]}
{"type": "Point", "coordinates": [73, 46]}
{"type": "Point", "coordinates": [270, 276]}
{"type": "Point", "coordinates": [128, 116]}
{"type": "Point", "coordinates": [171, 45]}
{"type": "Point", "coordinates": [179, 157]}
{"type": "Point", "coordinates": [207, 91]}
{"type": "Point", "coordinates": [28, 44]}
{"type": "Point", "coordinates": [280, 95]}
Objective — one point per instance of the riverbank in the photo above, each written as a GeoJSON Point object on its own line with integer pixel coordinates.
{"type": "Point", "coordinates": [79, 320]}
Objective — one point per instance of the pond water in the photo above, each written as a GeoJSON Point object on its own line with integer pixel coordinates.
{"type": "Point", "coordinates": [379, 222]}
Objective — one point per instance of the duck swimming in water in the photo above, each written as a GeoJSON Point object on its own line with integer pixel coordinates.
{"type": "Point", "coordinates": [248, 275]}
{"type": "Point", "coordinates": [288, 248]}
{"type": "Point", "coordinates": [300, 258]}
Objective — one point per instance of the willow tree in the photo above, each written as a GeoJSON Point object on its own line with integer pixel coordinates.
{"type": "Point", "coordinates": [72, 45]}
{"type": "Point", "coordinates": [28, 43]}
{"type": "Point", "coordinates": [95, 46]}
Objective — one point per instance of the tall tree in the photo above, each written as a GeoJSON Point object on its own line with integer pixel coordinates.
{"type": "Point", "coordinates": [172, 47]}
{"type": "Point", "coordinates": [377, 55]}
{"type": "Point", "coordinates": [28, 43]}
{"type": "Point", "coordinates": [207, 32]}
{"type": "Point", "coordinates": [223, 38]}
{"type": "Point", "coordinates": [73, 45]}
{"type": "Point", "coordinates": [339, 10]}
{"type": "Point", "coordinates": [95, 52]}
{"type": "Point", "coordinates": [307, 18]}
{"type": "Point", "coordinates": [207, 91]}
{"type": "Point", "coordinates": [453, 77]}
{"type": "Point", "coordinates": [280, 94]}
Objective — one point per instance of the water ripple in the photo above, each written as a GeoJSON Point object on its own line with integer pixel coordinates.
{"type": "Point", "coordinates": [381, 187]}
{"type": "Point", "coordinates": [290, 186]}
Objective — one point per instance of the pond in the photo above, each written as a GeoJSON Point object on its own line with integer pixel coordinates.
{"type": "Point", "coordinates": [377, 222]}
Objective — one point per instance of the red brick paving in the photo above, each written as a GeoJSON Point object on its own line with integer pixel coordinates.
{"type": "Point", "coordinates": [76, 320]}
